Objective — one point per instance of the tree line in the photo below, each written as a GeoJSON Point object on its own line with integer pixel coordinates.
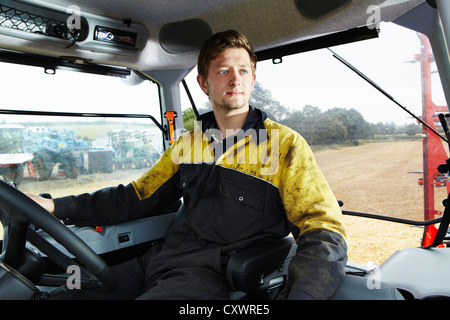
{"type": "Point", "coordinates": [333, 126]}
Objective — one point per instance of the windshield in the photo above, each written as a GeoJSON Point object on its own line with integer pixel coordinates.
{"type": "Point", "coordinates": [372, 152]}
{"type": "Point", "coordinates": [60, 154]}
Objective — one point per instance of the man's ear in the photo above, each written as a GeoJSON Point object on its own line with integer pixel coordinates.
{"type": "Point", "coordinates": [202, 83]}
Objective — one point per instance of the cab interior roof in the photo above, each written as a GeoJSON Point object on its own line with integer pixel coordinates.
{"type": "Point", "coordinates": [267, 23]}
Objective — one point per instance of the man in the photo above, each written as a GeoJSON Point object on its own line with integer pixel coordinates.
{"type": "Point", "coordinates": [243, 179]}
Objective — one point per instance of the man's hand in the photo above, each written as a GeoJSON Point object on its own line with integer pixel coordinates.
{"type": "Point", "coordinates": [47, 204]}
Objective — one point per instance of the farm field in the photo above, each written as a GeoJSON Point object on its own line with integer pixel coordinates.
{"type": "Point", "coordinates": [374, 178]}
{"type": "Point", "coordinates": [371, 178]}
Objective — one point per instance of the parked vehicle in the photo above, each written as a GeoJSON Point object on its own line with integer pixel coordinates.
{"type": "Point", "coordinates": [132, 149]}
{"type": "Point", "coordinates": [57, 148]}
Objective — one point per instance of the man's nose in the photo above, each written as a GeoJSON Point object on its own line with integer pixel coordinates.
{"type": "Point", "coordinates": [235, 78]}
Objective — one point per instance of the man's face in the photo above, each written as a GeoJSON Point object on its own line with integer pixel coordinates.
{"type": "Point", "coordinates": [230, 80]}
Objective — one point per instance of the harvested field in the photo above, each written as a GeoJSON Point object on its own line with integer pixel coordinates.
{"type": "Point", "coordinates": [371, 178]}
{"type": "Point", "coordinates": [374, 178]}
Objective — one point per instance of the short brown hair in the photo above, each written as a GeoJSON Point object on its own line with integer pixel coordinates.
{"type": "Point", "coordinates": [220, 42]}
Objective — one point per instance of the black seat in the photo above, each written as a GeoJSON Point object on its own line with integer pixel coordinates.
{"type": "Point", "coordinates": [260, 271]}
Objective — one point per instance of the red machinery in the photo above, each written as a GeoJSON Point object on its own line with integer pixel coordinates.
{"type": "Point", "coordinates": [434, 153]}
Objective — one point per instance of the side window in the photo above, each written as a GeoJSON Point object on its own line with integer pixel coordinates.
{"type": "Point", "coordinates": [370, 148]}
{"type": "Point", "coordinates": [376, 156]}
{"type": "Point", "coordinates": [71, 132]}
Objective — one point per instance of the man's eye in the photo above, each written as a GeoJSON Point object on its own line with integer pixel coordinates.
{"type": "Point", "coordinates": [223, 71]}
{"type": "Point", "coordinates": [244, 71]}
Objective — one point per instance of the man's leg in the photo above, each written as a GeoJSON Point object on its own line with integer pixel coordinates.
{"type": "Point", "coordinates": [189, 283]}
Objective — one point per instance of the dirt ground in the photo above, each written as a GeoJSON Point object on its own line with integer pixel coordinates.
{"type": "Point", "coordinates": [376, 178]}
{"type": "Point", "coordinates": [371, 178]}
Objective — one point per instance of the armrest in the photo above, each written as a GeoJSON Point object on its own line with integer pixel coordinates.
{"type": "Point", "coordinates": [261, 267]}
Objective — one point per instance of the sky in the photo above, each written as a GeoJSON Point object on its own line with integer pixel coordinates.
{"type": "Point", "coordinates": [317, 78]}
{"type": "Point", "coordinates": [73, 92]}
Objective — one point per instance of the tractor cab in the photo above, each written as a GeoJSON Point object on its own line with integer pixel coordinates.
{"type": "Point", "coordinates": [95, 92]}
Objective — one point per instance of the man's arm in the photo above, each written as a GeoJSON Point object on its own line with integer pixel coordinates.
{"type": "Point", "coordinates": [151, 194]}
{"type": "Point", "coordinates": [317, 270]}
{"type": "Point", "coordinates": [105, 206]}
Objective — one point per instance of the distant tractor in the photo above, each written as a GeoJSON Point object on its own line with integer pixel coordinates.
{"type": "Point", "coordinates": [13, 154]}
{"type": "Point", "coordinates": [59, 148]}
{"type": "Point", "coordinates": [132, 149]}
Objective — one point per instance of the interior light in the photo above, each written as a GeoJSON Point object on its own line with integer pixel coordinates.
{"type": "Point", "coordinates": [110, 35]}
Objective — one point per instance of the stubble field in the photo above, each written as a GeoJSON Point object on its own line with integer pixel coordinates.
{"type": "Point", "coordinates": [376, 178]}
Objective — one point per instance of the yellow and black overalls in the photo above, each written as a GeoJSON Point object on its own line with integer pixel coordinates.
{"type": "Point", "coordinates": [254, 185]}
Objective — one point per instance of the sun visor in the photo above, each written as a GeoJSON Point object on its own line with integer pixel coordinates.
{"type": "Point", "coordinates": [184, 36]}
{"type": "Point", "coordinates": [315, 9]}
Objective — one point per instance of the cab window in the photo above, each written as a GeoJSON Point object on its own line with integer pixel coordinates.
{"type": "Point", "coordinates": [64, 132]}
{"type": "Point", "coordinates": [372, 151]}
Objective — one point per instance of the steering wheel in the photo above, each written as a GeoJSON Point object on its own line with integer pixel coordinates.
{"type": "Point", "coordinates": [24, 211]}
